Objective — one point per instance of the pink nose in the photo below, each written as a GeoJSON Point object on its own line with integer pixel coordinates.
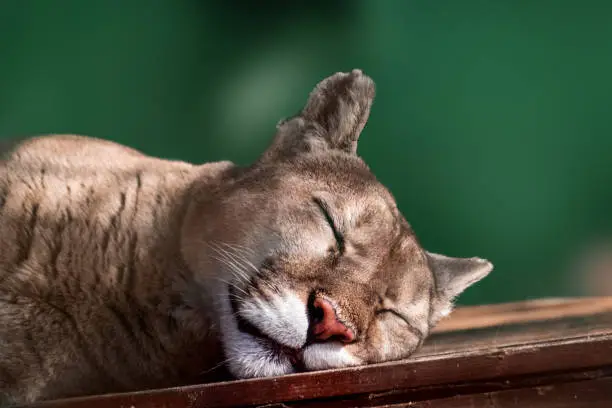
{"type": "Point", "coordinates": [326, 325]}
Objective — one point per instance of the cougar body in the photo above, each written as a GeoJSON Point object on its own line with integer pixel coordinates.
{"type": "Point", "coordinates": [122, 272]}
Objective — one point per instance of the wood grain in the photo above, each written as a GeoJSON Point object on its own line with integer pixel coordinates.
{"type": "Point", "coordinates": [582, 394]}
{"type": "Point", "coordinates": [472, 317]}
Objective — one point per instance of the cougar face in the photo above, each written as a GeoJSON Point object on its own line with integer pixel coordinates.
{"type": "Point", "coordinates": [312, 264]}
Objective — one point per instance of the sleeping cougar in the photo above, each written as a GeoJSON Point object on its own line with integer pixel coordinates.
{"type": "Point", "coordinates": [120, 271]}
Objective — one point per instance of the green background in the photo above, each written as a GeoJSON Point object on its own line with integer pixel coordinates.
{"type": "Point", "coordinates": [491, 126]}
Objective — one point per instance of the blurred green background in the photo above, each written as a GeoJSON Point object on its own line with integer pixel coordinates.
{"type": "Point", "coordinates": [492, 124]}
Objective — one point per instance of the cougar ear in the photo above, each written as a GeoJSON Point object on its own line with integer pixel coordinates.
{"type": "Point", "coordinates": [333, 117]}
{"type": "Point", "coordinates": [452, 276]}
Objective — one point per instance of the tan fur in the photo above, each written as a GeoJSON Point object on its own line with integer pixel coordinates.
{"type": "Point", "coordinates": [117, 270]}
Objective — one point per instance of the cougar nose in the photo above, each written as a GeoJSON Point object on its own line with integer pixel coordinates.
{"type": "Point", "coordinates": [325, 325]}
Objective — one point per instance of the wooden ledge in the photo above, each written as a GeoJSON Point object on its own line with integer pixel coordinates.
{"type": "Point", "coordinates": [472, 317]}
{"type": "Point", "coordinates": [518, 352]}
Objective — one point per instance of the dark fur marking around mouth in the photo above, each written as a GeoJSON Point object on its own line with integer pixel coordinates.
{"type": "Point", "coordinates": [295, 356]}
{"type": "Point", "coordinates": [243, 325]}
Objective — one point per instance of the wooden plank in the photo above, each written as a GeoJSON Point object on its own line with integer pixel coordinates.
{"type": "Point", "coordinates": [530, 332]}
{"type": "Point", "coordinates": [575, 354]}
{"type": "Point", "coordinates": [447, 391]}
{"type": "Point", "coordinates": [581, 394]}
{"type": "Point", "coordinates": [461, 361]}
{"type": "Point", "coordinates": [472, 317]}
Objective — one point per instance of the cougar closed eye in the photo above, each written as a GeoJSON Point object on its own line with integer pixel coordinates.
{"type": "Point", "coordinates": [330, 221]}
{"type": "Point", "coordinates": [405, 320]}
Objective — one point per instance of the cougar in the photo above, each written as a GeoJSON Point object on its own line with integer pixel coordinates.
{"type": "Point", "coordinates": [122, 272]}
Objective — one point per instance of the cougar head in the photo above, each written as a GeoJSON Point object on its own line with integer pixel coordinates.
{"type": "Point", "coordinates": [309, 260]}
